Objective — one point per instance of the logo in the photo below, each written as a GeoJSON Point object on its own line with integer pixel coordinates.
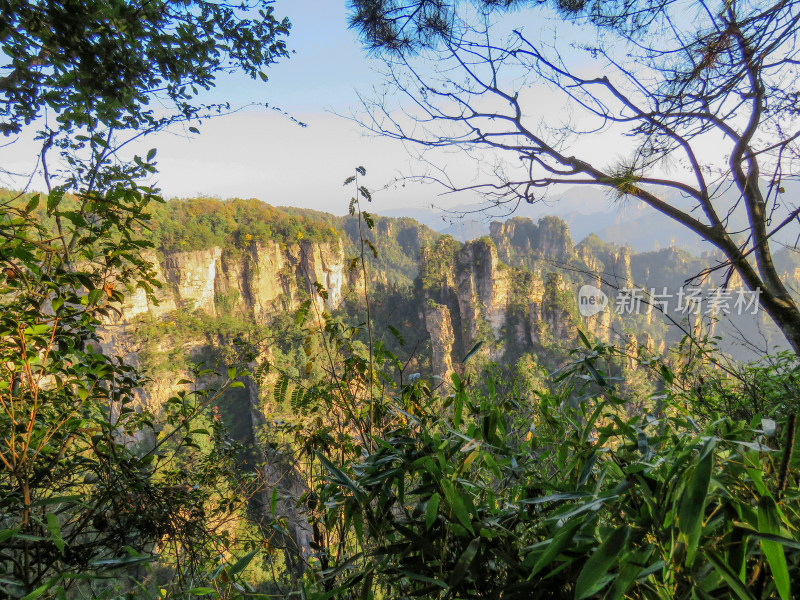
{"type": "Point", "coordinates": [591, 300]}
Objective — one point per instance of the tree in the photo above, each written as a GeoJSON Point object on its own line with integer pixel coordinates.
{"type": "Point", "coordinates": [706, 92]}
{"type": "Point", "coordinates": [89, 481]}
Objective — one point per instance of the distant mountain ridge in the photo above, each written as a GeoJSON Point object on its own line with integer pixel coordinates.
{"type": "Point", "coordinates": [514, 290]}
{"type": "Point", "coordinates": [591, 211]}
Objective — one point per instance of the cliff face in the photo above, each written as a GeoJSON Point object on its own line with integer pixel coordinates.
{"type": "Point", "coordinates": [519, 238]}
{"type": "Point", "coordinates": [256, 281]}
{"type": "Point", "coordinates": [517, 290]}
{"type": "Point", "coordinates": [440, 328]}
{"type": "Point", "coordinates": [500, 290]}
{"type": "Point", "coordinates": [483, 286]}
{"type": "Point", "coordinates": [473, 296]}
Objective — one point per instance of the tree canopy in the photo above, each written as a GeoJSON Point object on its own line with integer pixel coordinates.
{"type": "Point", "coordinates": [105, 62]}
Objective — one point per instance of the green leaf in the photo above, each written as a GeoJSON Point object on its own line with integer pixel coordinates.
{"type": "Point", "coordinates": [202, 591]}
{"type": "Point", "coordinates": [560, 541]}
{"type": "Point", "coordinates": [730, 577]}
{"type": "Point", "coordinates": [273, 505]}
{"type": "Point", "coordinates": [461, 512]}
{"type": "Point", "coordinates": [464, 561]}
{"type": "Point", "coordinates": [367, 591]}
{"type": "Point", "coordinates": [789, 543]}
{"type": "Point", "coordinates": [33, 203]}
{"type": "Point", "coordinates": [340, 477]}
{"type": "Point", "coordinates": [693, 501]}
{"type": "Point", "coordinates": [475, 348]}
{"type": "Point", "coordinates": [53, 200]}
{"type": "Point", "coordinates": [628, 572]}
{"type": "Point", "coordinates": [55, 531]}
{"type": "Point", "coordinates": [125, 561]}
{"type": "Point", "coordinates": [94, 296]}
{"type": "Point", "coordinates": [769, 522]}
{"type": "Point", "coordinates": [7, 533]}
{"type": "Point", "coordinates": [584, 339]}
{"type": "Point", "coordinates": [397, 335]}
{"type": "Point", "coordinates": [556, 497]}
{"type": "Point", "coordinates": [38, 591]}
{"type": "Point", "coordinates": [591, 577]}
{"type": "Point", "coordinates": [667, 374]}
{"type": "Point", "coordinates": [432, 510]}
{"type": "Point", "coordinates": [594, 373]}
{"type": "Point", "coordinates": [457, 409]}
{"type": "Point", "coordinates": [241, 564]}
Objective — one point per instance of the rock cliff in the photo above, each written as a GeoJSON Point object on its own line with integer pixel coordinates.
{"type": "Point", "coordinates": [256, 281]}
{"type": "Point", "coordinates": [473, 296]}
{"type": "Point", "coordinates": [516, 290]}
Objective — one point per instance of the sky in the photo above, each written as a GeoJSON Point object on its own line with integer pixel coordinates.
{"type": "Point", "coordinates": [263, 153]}
{"type": "Point", "coordinates": [266, 155]}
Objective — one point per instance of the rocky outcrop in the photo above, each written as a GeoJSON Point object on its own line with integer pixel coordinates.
{"type": "Point", "coordinates": [620, 265]}
{"type": "Point", "coordinates": [555, 315]}
{"type": "Point", "coordinates": [518, 238]}
{"type": "Point", "coordinates": [483, 290]}
{"type": "Point", "coordinates": [481, 299]}
{"type": "Point", "coordinates": [440, 328]}
{"type": "Point", "coordinates": [258, 280]}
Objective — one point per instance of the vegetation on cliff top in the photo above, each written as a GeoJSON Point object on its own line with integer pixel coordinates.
{"type": "Point", "coordinates": [200, 223]}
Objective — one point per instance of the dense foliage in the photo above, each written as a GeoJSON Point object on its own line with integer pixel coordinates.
{"type": "Point", "coordinates": [92, 481]}
{"type": "Point", "coordinates": [492, 495]}
{"type": "Point", "coordinates": [93, 63]}
{"type": "Point", "coordinates": [99, 495]}
{"type": "Point", "coordinates": [200, 223]}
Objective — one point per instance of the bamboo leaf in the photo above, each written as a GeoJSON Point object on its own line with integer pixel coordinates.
{"type": "Point", "coordinates": [55, 531]}
{"type": "Point", "coordinates": [475, 348]}
{"type": "Point", "coordinates": [461, 512]}
{"type": "Point", "coordinates": [591, 577]}
{"type": "Point", "coordinates": [730, 577]}
{"type": "Point", "coordinates": [769, 523]}
{"type": "Point", "coordinates": [560, 541]}
{"type": "Point", "coordinates": [693, 502]}
{"type": "Point", "coordinates": [464, 561]}
{"type": "Point", "coordinates": [242, 563]}
{"type": "Point", "coordinates": [432, 510]}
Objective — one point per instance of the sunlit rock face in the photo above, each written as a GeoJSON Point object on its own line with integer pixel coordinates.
{"type": "Point", "coordinates": [489, 301]}
{"type": "Point", "coordinates": [260, 279]}
{"type": "Point", "coordinates": [483, 289]}
{"type": "Point", "coordinates": [191, 276]}
{"type": "Point", "coordinates": [440, 328]}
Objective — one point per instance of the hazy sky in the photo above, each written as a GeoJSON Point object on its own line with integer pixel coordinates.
{"type": "Point", "coordinates": [264, 154]}
{"type": "Point", "coordinates": [261, 153]}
